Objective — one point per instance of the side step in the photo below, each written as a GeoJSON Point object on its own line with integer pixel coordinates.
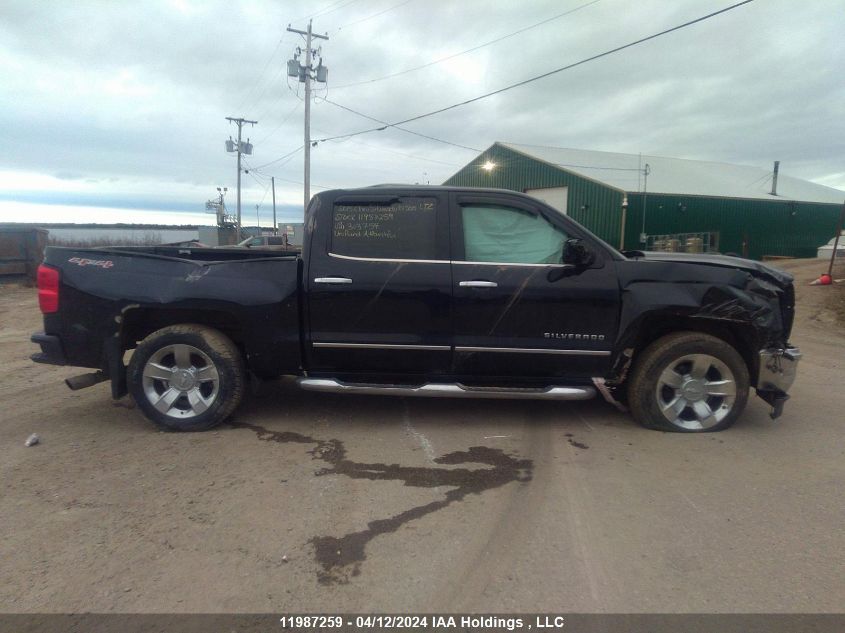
{"type": "Point", "coordinates": [444, 390]}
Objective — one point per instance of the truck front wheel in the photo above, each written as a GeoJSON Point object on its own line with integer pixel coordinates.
{"type": "Point", "coordinates": [187, 377]}
{"type": "Point", "coordinates": [688, 382]}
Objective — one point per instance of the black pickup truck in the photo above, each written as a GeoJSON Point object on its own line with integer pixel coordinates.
{"type": "Point", "coordinates": [425, 291]}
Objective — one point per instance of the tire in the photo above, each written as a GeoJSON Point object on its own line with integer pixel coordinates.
{"type": "Point", "coordinates": [187, 377]}
{"type": "Point", "coordinates": [688, 382]}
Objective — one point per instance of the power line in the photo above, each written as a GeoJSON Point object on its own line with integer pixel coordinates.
{"type": "Point", "coordinates": [374, 15]}
{"type": "Point", "coordinates": [637, 169]}
{"type": "Point", "coordinates": [263, 196]}
{"type": "Point", "coordinates": [288, 155]}
{"type": "Point", "coordinates": [258, 169]}
{"type": "Point", "coordinates": [255, 177]}
{"type": "Point", "coordinates": [469, 50]}
{"type": "Point", "coordinates": [284, 120]}
{"type": "Point", "coordinates": [393, 151]}
{"type": "Point", "coordinates": [598, 167]}
{"type": "Point", "coordinates": [260, 75]}
{"type": "Point", "coordinates": [266, 188]}
{"type": "Point", "coordinates": [299, 182]}
{"type": "Point", "coordinates": [274, 77]}
{"type": "Point", "coordinates": [386, 124]}
{"type": "Point", "coordinates": [542, 76]}
{"type": "Point", "coordinates": [328, 6]}
{"type": "Point", "coordinates": [506, 162]}
{"type": "Point", "coordinates": [336, 8]}
{"type": "Point", "coordinates": [253, 171]}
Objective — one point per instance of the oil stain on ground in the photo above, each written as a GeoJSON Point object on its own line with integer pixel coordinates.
{"type": "Point", "coordinates": [340, 558]}
{"type": "Point", "coordinates": [572, 442]}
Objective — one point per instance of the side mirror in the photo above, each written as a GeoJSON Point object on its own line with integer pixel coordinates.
{"type": "Point", "coordinates": [576, 253]}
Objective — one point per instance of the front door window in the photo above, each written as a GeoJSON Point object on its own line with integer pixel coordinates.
{"type": "Point", "coordinates": [500, 234]}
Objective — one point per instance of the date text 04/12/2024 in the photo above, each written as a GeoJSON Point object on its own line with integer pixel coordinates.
{"type": "Point", "coordinates": [476, 622]}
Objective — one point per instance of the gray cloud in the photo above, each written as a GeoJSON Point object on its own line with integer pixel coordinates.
{"type": "Point", "coordinates": [134, 95]}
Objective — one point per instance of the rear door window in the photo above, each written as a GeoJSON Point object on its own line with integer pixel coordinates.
{"type": "Point", "coordinates": [400, 229]}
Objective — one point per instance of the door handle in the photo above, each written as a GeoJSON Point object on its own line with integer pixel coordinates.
{"type": "Point", "coordinates": [332, 280]}
{"type": "Point", "coordinates": [478, 284]}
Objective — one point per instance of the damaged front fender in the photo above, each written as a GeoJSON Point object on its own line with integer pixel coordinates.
{"type": "Point", "coordinates": [663, 296]}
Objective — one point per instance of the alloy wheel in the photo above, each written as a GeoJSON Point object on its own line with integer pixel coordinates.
{"type": "Point", "coordinates": [696, 391]}
{"type": "Point", "coordinates": [180, 381]}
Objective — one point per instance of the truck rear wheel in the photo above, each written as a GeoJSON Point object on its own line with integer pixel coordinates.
{"type": "Point", "coordinates": [688, 382]}
{"type": "Point", "coordinates": [187, 377]}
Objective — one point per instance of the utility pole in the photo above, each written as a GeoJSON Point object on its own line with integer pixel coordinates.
{"type": "Point", "coordinates": [242, 148]}
{"type": "Point", "coordinates": [273, 185]}
{"type": "Point", "coordinates": [624, 219]}
{"type": "Point", "coordinates": [646, 171]}
{"type": "Point", "coordinates": [303, 72]}
{"type": "Point", "coordinates": [836, 241]}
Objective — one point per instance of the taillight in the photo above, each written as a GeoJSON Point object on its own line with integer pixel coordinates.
{"type": "Point", "coordinates": [48, 289]}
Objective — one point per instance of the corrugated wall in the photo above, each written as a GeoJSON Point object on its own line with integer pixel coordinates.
{"type": "Point", "coordinates": [755, 227]}
{"type": "Point", "coordinates": [594, 205]}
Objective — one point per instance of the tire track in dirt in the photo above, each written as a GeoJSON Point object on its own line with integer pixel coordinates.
{"type": "Point", "coordinates": [493, 557]}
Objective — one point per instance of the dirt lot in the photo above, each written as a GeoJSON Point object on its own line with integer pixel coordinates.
{"type": "Point", "coordinates": [352, 503]}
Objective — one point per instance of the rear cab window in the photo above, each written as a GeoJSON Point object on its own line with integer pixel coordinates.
{"type": "Point", "coordinates": [400, 228]}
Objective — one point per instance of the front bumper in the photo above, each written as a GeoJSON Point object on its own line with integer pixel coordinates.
{"type": "Point", "coordinates": [778, 368]}
{"type": "Point", "coordinates": [51, 349]}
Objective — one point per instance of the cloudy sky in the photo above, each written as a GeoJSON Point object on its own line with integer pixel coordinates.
{"type": "Point", "coordinates": [114, 110]}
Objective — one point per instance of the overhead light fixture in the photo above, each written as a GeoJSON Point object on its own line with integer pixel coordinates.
{"type": "Point", "coordinates": [488, 166]}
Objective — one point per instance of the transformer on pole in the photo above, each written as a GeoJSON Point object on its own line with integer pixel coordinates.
{"type": "Point", "coordinates": [306, 73]}
{"type": "Point", "coordinates": [241, 148]}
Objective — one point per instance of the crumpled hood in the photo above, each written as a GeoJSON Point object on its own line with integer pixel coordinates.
{"type": "Point", "coordinates": [724, 261]}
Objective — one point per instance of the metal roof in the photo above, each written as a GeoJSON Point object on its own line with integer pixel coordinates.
{"type": "Point", "coordinates": [679, 175]}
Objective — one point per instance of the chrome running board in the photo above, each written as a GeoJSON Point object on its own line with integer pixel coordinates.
{"type": "Point", "coordinates": [450, 390]}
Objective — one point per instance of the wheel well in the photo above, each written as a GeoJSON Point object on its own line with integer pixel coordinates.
{"type": "Point", "coordinates": [139, 323]}
{"type": "Point", "coordinates": [741, 336]}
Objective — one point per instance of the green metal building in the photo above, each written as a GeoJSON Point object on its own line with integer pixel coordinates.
{"type": "Point", "coordinates": [672, 204]}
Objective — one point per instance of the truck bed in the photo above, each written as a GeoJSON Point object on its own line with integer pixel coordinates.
{"type": "Point", "coordinates": [121, 294]}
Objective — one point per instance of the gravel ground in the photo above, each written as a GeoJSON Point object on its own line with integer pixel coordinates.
{"type": "Point", "coordinates": [310, 502]}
